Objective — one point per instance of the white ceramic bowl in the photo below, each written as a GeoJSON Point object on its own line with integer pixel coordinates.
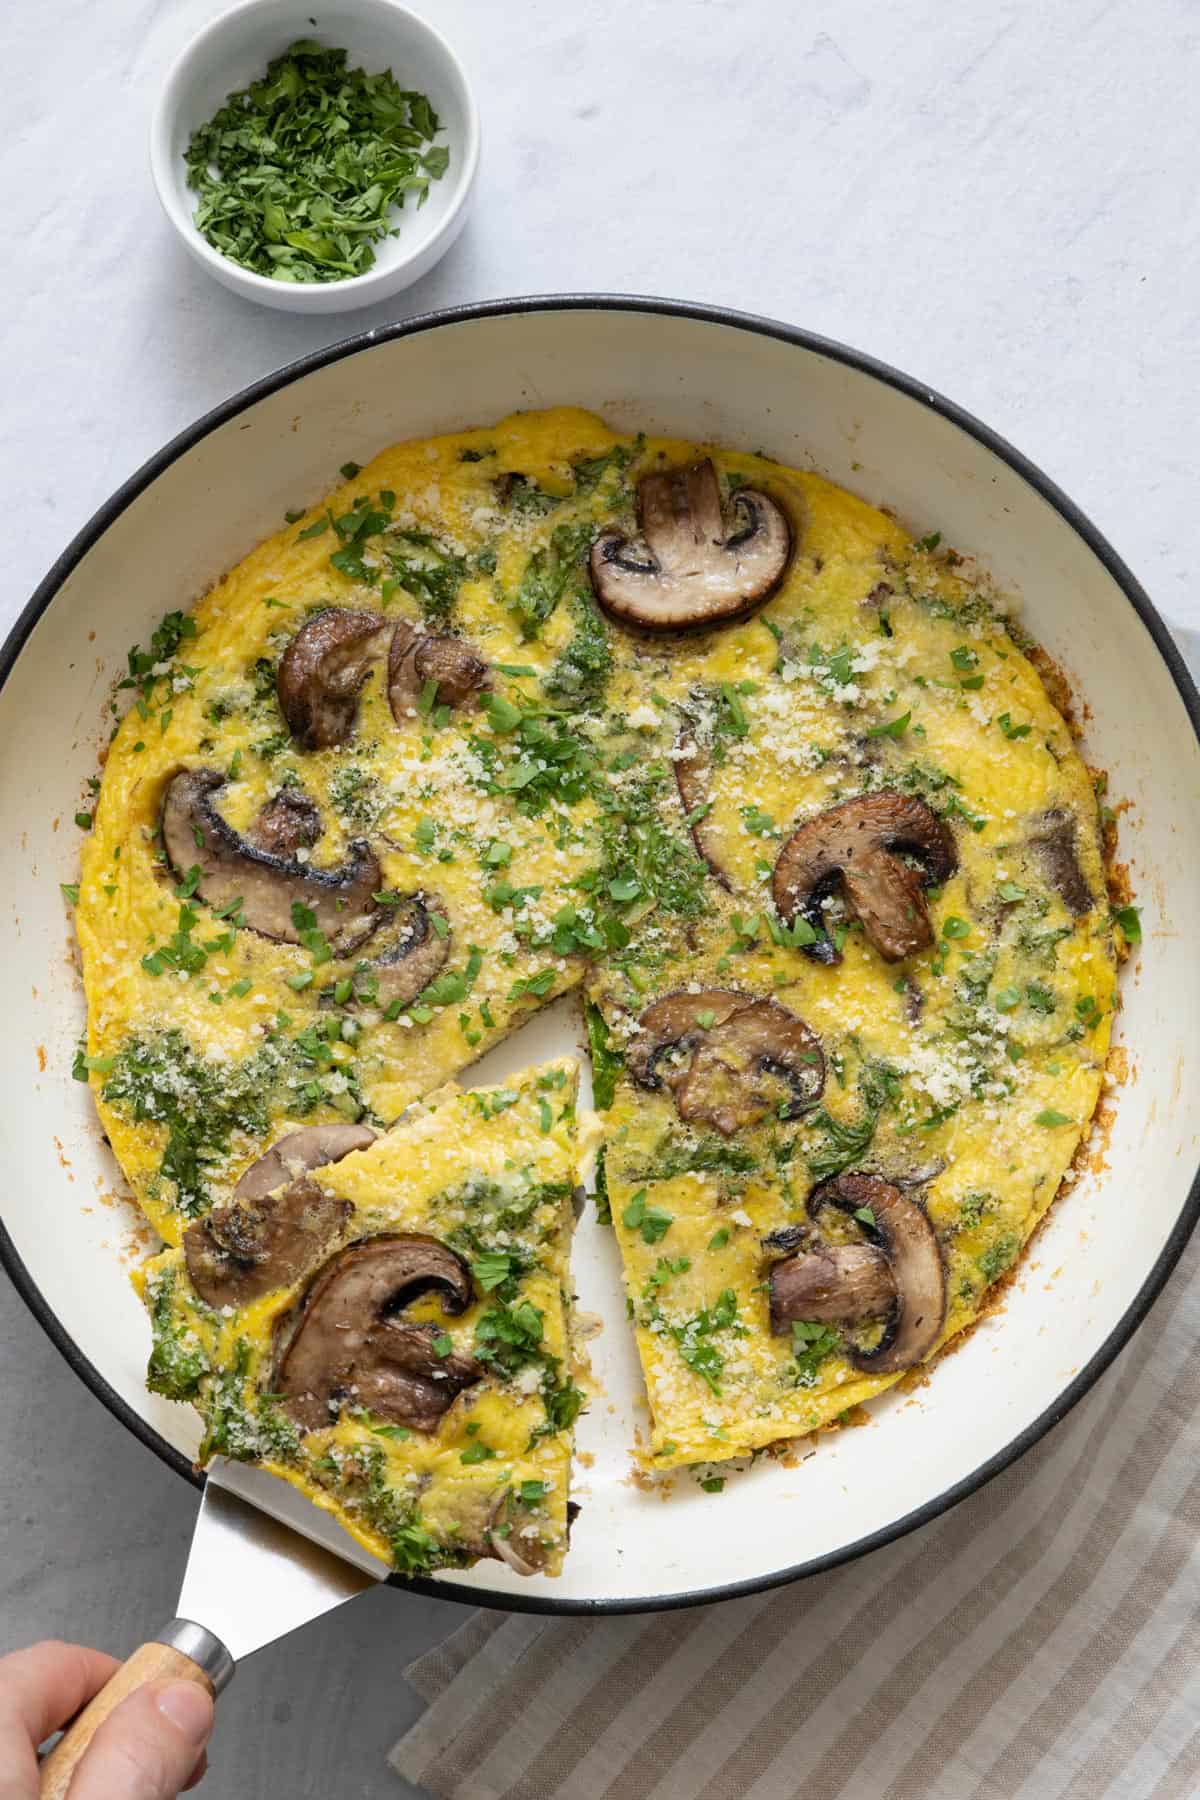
{"type": "Point", "coordinates": [377, 34]}
{"type": "Point", "coordinates": [201, 504]}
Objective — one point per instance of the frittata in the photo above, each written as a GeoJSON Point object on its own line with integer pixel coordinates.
{"type": "Point", "coordinates": [543, 705]}
{"type": "Point", "coordinates": [389, 1330]}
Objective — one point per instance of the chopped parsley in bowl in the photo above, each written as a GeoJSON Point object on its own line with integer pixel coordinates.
{"type": "Point", "coordinates": [303, 172]}
{"type": "Point", "coordinates": [311, 166]}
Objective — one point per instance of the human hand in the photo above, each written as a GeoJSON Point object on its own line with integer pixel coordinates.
{"type": "Point", "coordinates": [151, 1747]}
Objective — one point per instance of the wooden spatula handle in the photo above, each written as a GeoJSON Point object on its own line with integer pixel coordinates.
{"type": "Point", "coordinates": [209, 1665]}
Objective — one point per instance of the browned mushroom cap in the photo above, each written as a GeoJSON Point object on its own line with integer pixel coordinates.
{"type": "Point", "coordinates": [419, 657]}
{"type": "Point", "coordinates": [401, 1377]}
{"type": "Point", "coordinates": [693, 773]}
{"type": "Point", "coordinates": [691, 570]}
{"type": "Point", "coordinates": [290, 821]}
{"type": "Point", "coordinates": [241, 1251]}
{"type": "Point", "coordinates": [309, 1148]}
{"type": "Point", "coordinates": [231, 869]}
{"type": "Point", "coordinates": [346, 1340]}
{"type": "Point", "coordinates": [836, 1284]}
{"type": "Point", "coordinates": [899, 1227]}
{"type": "Point", "coordinates": [321, 672]}
{"type": "Point", "coordinates": [409, 952]}
{"type": "Point", "coordinates": [520, 1535]}
{"type": "Point", "coordinates": [853, 847]}
{"type": "Point", "coordinates": [728, 1058]}
{"type": "Point", "coordinates": [1052, 839]}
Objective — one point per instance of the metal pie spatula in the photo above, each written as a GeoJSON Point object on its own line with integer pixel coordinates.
{"type": "Point", "coordinates": [263, 1562]}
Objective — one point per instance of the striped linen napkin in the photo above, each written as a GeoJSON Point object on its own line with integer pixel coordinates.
{"type": "Point", "coordinates": [1043, 1639]}
{"type": "Point", "coordinates": [1039, 1642]}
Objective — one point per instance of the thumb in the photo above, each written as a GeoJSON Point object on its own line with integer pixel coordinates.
{"type": "Point", "coordinates": [149, 1746]}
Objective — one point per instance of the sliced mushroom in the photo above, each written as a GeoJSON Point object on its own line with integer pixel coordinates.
{"type": "Point", "coordinates": [405, 955]}
{"type": "Point", "coordinates": [241, 1251]}
{"type": "Point", "coordinates": [345, 1339]}
{"type": "Point", "coordinates": [895, 1224]}
{"type": "Point", "coordinates": [401, 1377]}
{"type": "Point", "coordinates": [518, 1535]}
{"type": "Point", "coordinates": [1052, 840]}
{"type": "Point", "coordinates": [837, 1284]}
{"type": "Point", "coordinates": [290, 821]}
{"type": "Point", "coordinates": [691, 569]}
{"type": "Point", "coordinates": [728, 1058]}
{"type": "Point", "coordinates": [693, 776]}
{"type": "Point", "coordinates": [411, 951]}
{"type": "Point", "coordinates": [312, 1147]}
{"type": "Point", "coordinates": [321, 672]}
{"type": "Point", "coordinates": [418, 657]}
{"type": "Point", "coordinates": [231, 869]}
{"type": "Point", "coordinates": [786, 1240]}
{"type": "Point", "coordinates": [854, 848]}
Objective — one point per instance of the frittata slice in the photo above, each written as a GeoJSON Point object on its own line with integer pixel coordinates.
{"type": "Point", "coordinates": [390, 1331]}
{"type": "Point", "coordinates": [837, 1109]}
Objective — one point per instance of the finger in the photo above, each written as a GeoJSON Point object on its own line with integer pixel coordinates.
{"type": "Point", "coordinates": [18, 1759]}
{"type": "Point", "coordinates": [47, 1684]}
{"type": "Point", "coordinates": [197, 1775]}
{"type": "Point", "coordinates": [149, 1746]}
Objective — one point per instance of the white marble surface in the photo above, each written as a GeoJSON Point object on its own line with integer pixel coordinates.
{"type": "Point", "coordinates": [999, 198]}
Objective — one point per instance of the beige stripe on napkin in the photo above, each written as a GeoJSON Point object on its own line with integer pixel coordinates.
{"type": "Point", "coordinates": [1040, 1642]}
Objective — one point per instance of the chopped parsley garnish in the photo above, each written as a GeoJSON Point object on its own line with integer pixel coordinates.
{"type": "Point", "coordinates": [1129, 918]}
{"type": "Point", "coordinates": [510, 1335]}
{"type": "Point", "coordinates": [757, 822]}
{"type": "Point", "coordinates": [843, 1141]}
{"type": "Point", "coordinates": [160, 1079]}
{"type": "Point", "coordinates": [577, 680]}
{"type": "Point", "coordinates": [544, 761]}
{"type": "Point", "coordinates": [811, 1345]}
{"type": "Point", "coordinates": [1009, 729]}
{"type": "Point", "coordinates": [548, 574]}
{"type": "Point", "coordinates": [731, 714]}
{"type": "Point", "coordinates": [664, 1270]}
{"type": "Point", "coordinates": [491, 1268]}
{"type": "Point", "coordinates": [299, 174]}
{"type": "Point", "coordinates": [894, 728]}
{"type": "Point", "coordinates": [305, 921]}
{"type": "Point", "coordinates": [590, 471]}
{"type": "Point", "coordinates": [693, 1338]}
{"type": "Point", "coordinates": [639, 846]}
{"type": "Point", "coordinates": [176, 1366]}
{"type": "Point", "coordinates": [998, 1256]}
{"type": "Point", "coordinates": [172, 630]}
{"type": "Point", "coordinates": [181, 951]}
{"type": "Point", "coordinates": [397, 1433]}
{"type": "Point", "coordinates": [651, 1221]}
{"type": "Point", "coordinates": [534, 987]}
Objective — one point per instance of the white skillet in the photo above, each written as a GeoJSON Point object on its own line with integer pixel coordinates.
{"type": "Point", "coordinates": [209, 496]}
